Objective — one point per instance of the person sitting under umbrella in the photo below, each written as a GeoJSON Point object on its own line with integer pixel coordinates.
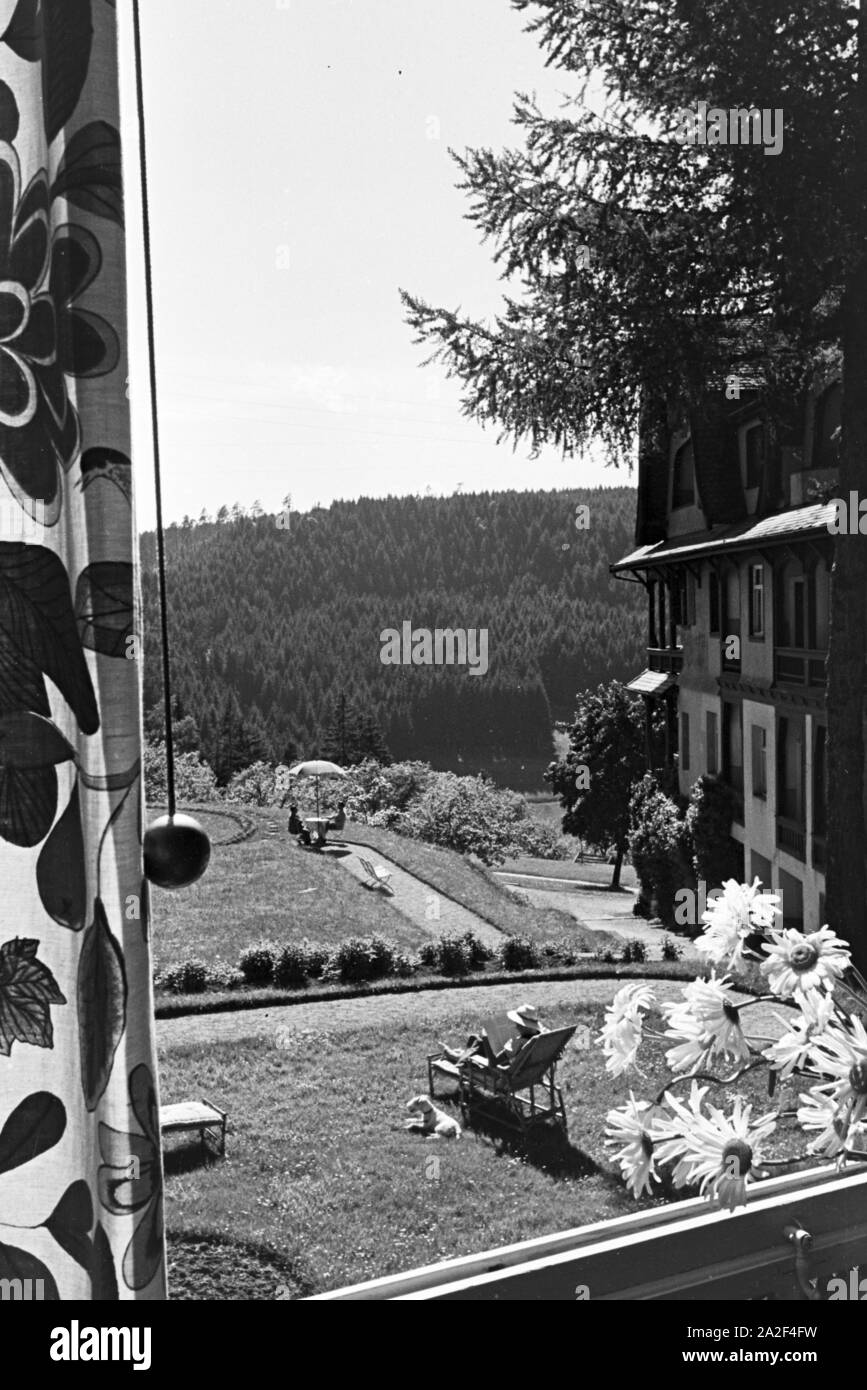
{"type": "Point", "coordinates": [337, 822]}
{"type": "Point", "coordinates": [297, 827]}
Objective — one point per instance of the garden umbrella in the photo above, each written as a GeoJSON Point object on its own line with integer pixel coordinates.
{"type": "Point", "coordinates": [317, 768]}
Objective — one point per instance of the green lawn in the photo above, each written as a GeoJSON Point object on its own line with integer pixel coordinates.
{"type": "Point", "coordinates": [266, 887]}
{"type": "Point", "coordinates": [324, 1185]}
{"type": "Point", "coordinates": [269, 888]}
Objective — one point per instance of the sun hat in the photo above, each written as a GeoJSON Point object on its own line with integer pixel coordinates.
{"type": "Point", "coordinates": [526, 1016]}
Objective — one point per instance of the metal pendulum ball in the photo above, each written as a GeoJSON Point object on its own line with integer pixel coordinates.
{"type": "Point", "coordinates": [176, 848]}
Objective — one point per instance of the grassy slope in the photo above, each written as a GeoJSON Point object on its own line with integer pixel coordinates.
{"type": "Point", "coordinates": [477, 888]}
{"type": "Point", "coordinates": [321, 1170]}
{"type": "Point", "coordinates": [255, 889]}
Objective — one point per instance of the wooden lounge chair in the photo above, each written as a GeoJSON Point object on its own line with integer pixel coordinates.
{"type": "Point", "coordinates": [377, 876]}
{"type": "Point", "coordinates": [495, 1032]}
{"type": "Point", "coordinates": [524, 1092]}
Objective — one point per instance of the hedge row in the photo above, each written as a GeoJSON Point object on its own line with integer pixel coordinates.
{"type": "Point", "coordinates": [361, 958]}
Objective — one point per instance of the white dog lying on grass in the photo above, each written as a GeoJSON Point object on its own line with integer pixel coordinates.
{"type": "Point", "coordinates": [429, 1120]}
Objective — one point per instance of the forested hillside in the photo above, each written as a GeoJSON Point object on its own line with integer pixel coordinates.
{"type": "Point", "coordinates": [272, 625]}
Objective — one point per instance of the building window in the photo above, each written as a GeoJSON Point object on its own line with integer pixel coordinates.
{"type": "Point", "coordinates": [684, 742]}
{"type": "Point", "coordinates": [710, 739]}
{"type": "Point", "coordinates": [791, 891]}
{"type": "Point", "coordinates": [753, 455]}
{"type": "Point", "coordinates": [790, 770]}
{"type": "Point", "coordinates": [759, 740]}
{"type": "Point", "coordinates": [713, 596]}
{"type": "Point", "coordinates": [826, 433]}
{"type": "Point", "coordinates": [760, 868]}
{"type": "Point", "coordinates": [757, 600]}
{"type": "Point", "coordinates": [820, 780]}
{"type": "Point", "coordinates": [797, 608]}
{"type": "Point", "coordinates": [685, 599]}
{"type": "Point", "coordinates": [733, 746]}
{"type": "Point", "coordinates": [683, 486]}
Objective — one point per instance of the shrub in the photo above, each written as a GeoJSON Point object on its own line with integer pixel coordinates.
{"type": "Point", "coordinates": [315, 958]}
{"type": "Point", "coordinates": [561, 949]}
{"type": "Point", "coordinates": [670, 948]}
{"type": "Point", "coordinates": [519, 953]}
{"type": "Point", "coordinates": [194, 779]}
{"type": "Point", "coordinates": [257, 963]}
{"type": "Point", "coordinates": [404, 964]}
{"type": "Point", "coordinates": [658, 845]}
{"type": "Point", "coordinates": [255, 785]}
{"type": "Point", "coordinates": [290, 966]}
{"type": "Point", "coordinates": [453, 955]}
{"type": "Point", "coordinates": [607, 956]}
{"type": "Point", "coordinates": [429, 954]}
{"type": "Point", "coordinates": [360, 958]}
{"type": "Point", "coordinates": [477, 952]}
{"type": "Point", "coordinates": [634, 950]}
{"type": "Point", "coordinates": [709, 819]}
{"type": "Point", "coordinates": [188, 977]}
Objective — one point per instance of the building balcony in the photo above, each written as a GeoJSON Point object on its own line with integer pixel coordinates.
{"type": "Point", "coordinates": [668, 659]}
{"type": "Point", "coordinates": [792, 838]}
{"type": "Point", "coordinates": [797, 666]}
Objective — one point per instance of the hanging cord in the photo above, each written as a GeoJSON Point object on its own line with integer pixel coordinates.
{"type": "Point", "coordinates": [152, 362]}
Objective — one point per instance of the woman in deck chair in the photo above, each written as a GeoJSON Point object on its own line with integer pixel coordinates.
{"type": "Point", "coordinates": [527, 1026]}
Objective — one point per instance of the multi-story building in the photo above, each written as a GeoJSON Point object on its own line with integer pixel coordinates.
{"type": "Point", "coordinates": [734, 550]}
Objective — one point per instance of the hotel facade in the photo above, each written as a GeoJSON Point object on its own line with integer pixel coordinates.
{"type": "Point", "coordinates": [734, 550]}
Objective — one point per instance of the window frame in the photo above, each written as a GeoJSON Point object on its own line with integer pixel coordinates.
{"type": "Point", "coordinates": [678, 451]}
{"type": "Point", "coordinates": [757, 621]}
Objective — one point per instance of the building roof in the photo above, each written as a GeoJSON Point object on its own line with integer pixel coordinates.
{"type": "Point", "coordinates": [651, 683]}
{"type": "Point", "coordinates": [744, 535]}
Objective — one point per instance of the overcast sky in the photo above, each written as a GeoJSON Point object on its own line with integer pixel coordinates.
{"type": "Point", "coordinates": [299, 174]}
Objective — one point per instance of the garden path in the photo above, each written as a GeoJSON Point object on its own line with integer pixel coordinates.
{"type": "Point", "coordinates": [434, 913]}
{"type": "Point", "coordinates": [438, 1008]}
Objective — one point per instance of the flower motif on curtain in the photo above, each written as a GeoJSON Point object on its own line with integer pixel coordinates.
{"type": "Point", "coordinates": [44, 336]}
{"type": "Point", "coordinates": [131, 1180]}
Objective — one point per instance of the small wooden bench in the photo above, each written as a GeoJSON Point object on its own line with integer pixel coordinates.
{"type": "Point", "coordinates": [195, 1114]}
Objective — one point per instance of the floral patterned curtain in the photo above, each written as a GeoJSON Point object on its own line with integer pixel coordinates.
{"type": "Point", "coordinates": [80, 1168]}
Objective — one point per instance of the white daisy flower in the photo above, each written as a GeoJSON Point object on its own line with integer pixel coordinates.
{"type": "Point", "coordinates": [841, 1053]}
{"type": "Point", "coordinates": [721, 1152]}
{"type": "Point", "coordinates": [730, 919]}
{"type": "Point", "coordinates": [799, 964]}
{"type": "Point", "coordinates": [630, 1000]}
{"type": "Point", "coordinates": [628, 1126]}
{"type": "Point", "coordinates": [669, 1132]}
{"type": "Point", "coordinates": [820, 1110]}
{"type": "Point", "coordinates": [707, 1021]}
{"type": "Point", "coordinates": [793, 1050]}
{"type": "Point", "coordinates": [622, 1030]}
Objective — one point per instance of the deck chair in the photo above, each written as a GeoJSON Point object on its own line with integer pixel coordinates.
{"type": "Point", "coordinates": [523, 1093]}
{"type": "Point", "coordinates": [495, 1032]}
{"type": "Point", "coordinates": [377, 876]}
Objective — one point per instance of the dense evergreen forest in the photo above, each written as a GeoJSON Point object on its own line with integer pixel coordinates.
{"type": "Point", "coordinates": [276, 627]}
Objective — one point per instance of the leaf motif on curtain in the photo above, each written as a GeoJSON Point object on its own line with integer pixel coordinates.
{"type": "Point", "coordinates": [90, 175]}
{"type": "Point", "coordinates": [104, 607]}
{"type": "Point", "coordinates": [38, 635]}
{"type": "Point", "coordinates": [27, 989]}
{"type": "Point", "coordinates": [30, 749]}
{"type": "Point", "coordinates": [102, 998]}
{"type": "Point", "coordinates": [61, 872]}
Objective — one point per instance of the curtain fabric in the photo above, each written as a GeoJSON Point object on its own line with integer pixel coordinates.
{"type": "Point", "coordinates": [81, 1213]}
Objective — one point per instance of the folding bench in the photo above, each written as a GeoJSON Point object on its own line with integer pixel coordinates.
{"type": "Point", "coordinates": [195, 1114]}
